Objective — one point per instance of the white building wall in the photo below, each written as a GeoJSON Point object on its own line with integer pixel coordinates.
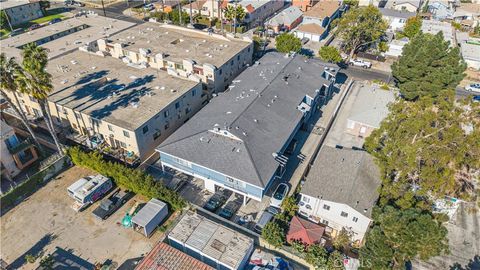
{"type": "Point", "coordinates": [332, 217]}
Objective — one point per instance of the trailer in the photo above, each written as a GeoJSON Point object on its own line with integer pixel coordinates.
{"type": "Point", "coordinates": [91, 191]}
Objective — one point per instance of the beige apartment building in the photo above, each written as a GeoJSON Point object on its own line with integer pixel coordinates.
{"type": "Point", "coordinates": [199, 56]}
{"type": "Point", "coordinates": [114, 105]}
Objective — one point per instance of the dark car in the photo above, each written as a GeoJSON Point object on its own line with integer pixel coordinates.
{"type": "Point", "coordinates": [215, 202]}
{"type": "Point", "coordinates": [34, 26]}
{"type": "Point", "coordinates": [56, 20]}
{"type": "Point", "coordinates": [15, 32]}
{"type": "Point", "coordinates": [229, 209]}
{"type": "Point", "coordinates": [476, 98]}
{"type": "Point", "coordinates": [111, 204]}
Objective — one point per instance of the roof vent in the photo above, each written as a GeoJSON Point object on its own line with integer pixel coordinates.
{"type": "Point", "coordinates": [255, 120]}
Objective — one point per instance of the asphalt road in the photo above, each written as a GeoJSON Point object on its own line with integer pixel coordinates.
{"type": "Point", "coordinates": [114, 11]}
{"type": "Point", "coordinates": [367, 74]}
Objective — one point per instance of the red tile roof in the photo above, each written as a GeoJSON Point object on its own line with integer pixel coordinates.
{"type": "Point", "coordinates": [165, 257]}
{"type": "Point", "coordinates": [250, 8]}
{"type": "Point", "coordinates": [305, 231]}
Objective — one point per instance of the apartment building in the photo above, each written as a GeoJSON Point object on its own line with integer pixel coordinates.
{"type": "Point", "coordinates": [65, 36]}
{"type": "Point", "coordinates": [340, 191]}
{"type": "Point", "coordinates": [199, 56]}
{"type": "Point", "coordinates": [21, 11]}
{"type": "Point", "coordinates": [258, 10]}
{"type": "Point", "coordinates": [238, 140]}
{"type": "Point", "coordinates": [116, 105]}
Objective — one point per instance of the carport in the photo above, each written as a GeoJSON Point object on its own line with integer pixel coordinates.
{"type": "Point", "coordinates": [150, 216]}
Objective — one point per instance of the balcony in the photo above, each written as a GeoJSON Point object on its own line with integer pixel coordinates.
{"type": "Point", "coordinates": [27, 143]}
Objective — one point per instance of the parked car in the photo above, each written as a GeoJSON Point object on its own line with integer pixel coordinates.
{"type": "Point", "coordinates": [111, 204]}
{"type": "Point", "coordinates": [474, 87]}
{"type": "Point", "coordinates": [476, 98]}
{"type": "Point", "coordinates": [34, 26]}
{"type": "Point", "coordinates": [215, 202]}
{"type": "Point", "coordinates": [73, 3]}
{"type": "Point", "coordinates": [360, 63]}
{"type": "Point", "coordinates": [175, 183]}
{"type": "Point", "coordinates": [15, 32]}
{"type": "Point", "coordinates": [262, 221]}
{"type": "Point", "coordinates": [279, 195]}
{"type": "Point", "coordinates": [229, 210]}
{"type": "Point", "coordinates": [56, 20]}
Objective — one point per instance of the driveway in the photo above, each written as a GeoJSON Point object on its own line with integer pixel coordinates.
{"type": "Point", "coordinates": [44, 222]}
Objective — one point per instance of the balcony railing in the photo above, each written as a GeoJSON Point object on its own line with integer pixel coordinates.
{"type": "Point", "coordinates": [27, 143]}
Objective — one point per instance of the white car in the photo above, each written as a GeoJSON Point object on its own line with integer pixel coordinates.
{"type": "Point", "coordinates": [474, 87]}
{"type": "Point", "coordinates": [279, 195]}
{"type": "Point", "coordinates": [360, 63]}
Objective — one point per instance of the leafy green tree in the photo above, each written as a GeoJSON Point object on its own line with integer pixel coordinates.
{"type": "Point", "coordinates": [342, 240]}
{"type": "Point", "coordinates": [360, 27]}
{"type": "Point", "coordinates": [412, 27]}
{"type": "Point", "coordinates": [174, 16]}
{"type": "Point", "coordinates": [235, 15]}
{"type": "Point", "coordinates": [274, 234]}
{"type": "Point", "coordinates": [383, 46]}
{"type": "Point", "coordinates": [290, 206]}
{"type": "Point", "coordinates": [35, 81]}
{"type": "Point", "coordinates": [47, 262]}
{"type": "Point", "coordinates": [428, 149]}
{"type": "Point", "coordinates": [298, 246]}
{"type": "Point", "coordinates": [330, 54]}
{"type": "Point", "coordinates": [335, 261]}
{"type": "Point", "coordinates": [399, 236]}
{"type": "Point", "coordinates": [3, 20]}
{"type": "Point", "coordinates": [353, 3]}
{"type": "Point", "coordinates": [476, 30]}
{"type": "Point", "coordinates": [8, 76]}
{"type": "Point", "coordinates": [427, 66]}
{"type": "Point", "coordinates": [286, 43]}
{"type": "Point", "coordinates": [317, 256]}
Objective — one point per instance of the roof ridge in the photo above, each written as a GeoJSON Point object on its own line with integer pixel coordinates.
{"type": "Point", "coordinates": [253, 164]}
{"type": "Point", "coordinates": [181, 139]}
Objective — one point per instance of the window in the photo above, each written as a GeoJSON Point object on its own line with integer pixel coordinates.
{"type": "Point", "coordinates": [248, 49]}
{"type": "Point", "coordinates": [157, 135]}
{"type": "Point", "coordinates": [231, 63]}
{"type": "Point", "coordinates": [220, 72]}
{"type": "Point", "coordinates": [305, 199]}
{"type": "Point", "coordinates": [110, 128]}
{"type": "Point", "coordinates": [326, 207]}
{"type": "Point", "coordinates": [343, 214]}
{"type": "Point", "coordinates": [325, 222]}
{"type": "Point", "coordinates": [355, 219]}
{"type": "Point", "coordinates": [126, 134]}
{"type": "Point", "coordinates": [166, 113]}
{"type": "Point", "coordinates": [177, 105]}
{"type": "Point", "coordinates": [77, 115]}
{"type": "Point", "coordinates": [166, 126]}
{"type": "Point", "coordinates": [123, 145]}
{"type": "Point", "coordinates": [238, 57]}
{"type": "Point", "coordinates": [145, 129]}
{"type": "Point", "coordinates": [194, 92]}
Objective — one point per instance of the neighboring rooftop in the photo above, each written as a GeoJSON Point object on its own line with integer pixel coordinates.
{"type": "Point", "coordinates": [312, 28]}
{"type": "Point", "coordinates": [260, 111]}
{"type": "Point", "coordinates": [65, 36]}
{"type": "Point", "coordinates": [148, 212]}
{"type": "Point", "coordinates": [433, 27]}
{"type": "Point", "coordinates": [6, 4]}
{"type": "Point", "coordinates": [323, 9]}
{"type": "Point", "coordinates": [371, 106]}
{"type": "Point", "coordinates": [470, 51]}
{"type": "Point", "coordinates": [415, 3]}
{"type": "Point", "coordinates": [344, 176]}
{"type": "Point", "coordinates": [212, 239]}
{"type": "Point", "coordinates": [165, 257]}
{"type": "Point", "coordinates": [286, 16]}
{"type": "Point", "coordinates": [107, 89]}
{"type": "Point", "coordinates": [388, 12]}
{"type": "Point", "coordinates": [179, 43]}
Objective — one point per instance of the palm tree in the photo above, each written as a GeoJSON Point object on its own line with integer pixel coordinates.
{"type": "Point", "coordinates": [33, 80]}
{"type": "Point", "coordinates": [229, 15]}
{"type": "Point", "coordinates": [8, 70]}
{"type": "Point", "coordinates": [239, 16]}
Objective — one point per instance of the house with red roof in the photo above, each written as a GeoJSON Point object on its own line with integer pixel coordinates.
{"type": "Point", "coordinates": [305, 231]}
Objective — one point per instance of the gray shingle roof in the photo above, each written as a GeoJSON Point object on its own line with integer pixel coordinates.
{"type": "Point", "coordinates": [344, 176]}
{"type": "Point", "coordinates": [388, 12]}
{"type": "Point", "coordinates": [260, 110]}
{"type": "Point", "coordinates": [370, 106]}
{"type": "Point", "coordinates": [286, 17]}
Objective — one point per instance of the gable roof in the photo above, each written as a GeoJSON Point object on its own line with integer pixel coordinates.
{"type": "Point", "coordinates": [305, 231]}
{"type": "Point", "coordinates": [311, 28]}
{"type": "Point", "coordinates": [165, 257]}
{"type": "Point", "coordinates": [286, 16]}
{"type": "Point", "coordinates": [344, 176]}
{"type": "Point", "coordinates": [260, 111]}
{"type": "Point", "coordinates": [322, 9]}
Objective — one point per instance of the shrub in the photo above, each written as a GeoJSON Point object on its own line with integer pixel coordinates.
{"type": "Point", "coordinates": [286, 43]}
{"type": "Point", "coordinates": [273, 234]}
{"type": "Point", "coordinates": [134, 180]}
{"type": "Point", "coordinates": [30, 258]}
{"type": "Point", "coordinates": [317, 256]}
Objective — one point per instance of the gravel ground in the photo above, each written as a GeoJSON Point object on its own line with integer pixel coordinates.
{"type": "Point", "coordinates": [45, 221]}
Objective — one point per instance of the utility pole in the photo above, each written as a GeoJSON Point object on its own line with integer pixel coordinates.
{"type": "Point", "coordinates": [103, 7]}
{"type": "Point", "coordinates": [8, 20]}
{"type": "Point", "coordinates": [191, 17]}
{"type": "Point", "coordinates": [180, 13]}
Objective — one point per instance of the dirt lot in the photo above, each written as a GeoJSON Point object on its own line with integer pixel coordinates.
{"type": "Point", "coordinates": [45, 221]}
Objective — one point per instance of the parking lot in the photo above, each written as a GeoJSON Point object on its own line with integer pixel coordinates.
{"type": "Point", "coordinates": [45, 221]}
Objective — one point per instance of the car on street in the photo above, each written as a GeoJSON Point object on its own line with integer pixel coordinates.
{"type": "Point", "coordinates": [215, 202]}
{"type": "Point", "coordinates": [474, 87]}
{"type": "Point", "coordinates": [73, 3]}
{"type": "Point", "coordinates": [34, 26]}
{"type": "Point", "coordinates": [476, 98]}
{"type": "Point", "coordinates": [360, 63]}
{"type": "Point", "coordinates": [111, 204]}
{"type": "Point", "coordinates": [229, 209]}
{"type": "Point", "coordinates": [279, 195]}
{"type": "Point", "coordinates": [56, 20]}
{"type": "Point", "coordinates": [15, 32]}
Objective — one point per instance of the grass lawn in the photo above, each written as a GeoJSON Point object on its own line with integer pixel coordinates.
{"type": "Point", "coordinates": [4, 32]}
{"type": "Point", "coordinates": [47, 18]}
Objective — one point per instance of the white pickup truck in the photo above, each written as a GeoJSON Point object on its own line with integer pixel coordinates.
{"type": "Point", "coordinates": [360, 63]}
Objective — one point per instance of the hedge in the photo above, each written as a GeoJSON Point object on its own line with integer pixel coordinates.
{"type": "Point", "coordinates": [229, 28]}
{"type": "Point", "coordinates": [206, 21]}
{"type": "Point", "coordinates": [131, 179]}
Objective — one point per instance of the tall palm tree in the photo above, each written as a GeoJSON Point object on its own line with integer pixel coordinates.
{"type": "Point", "coordinates": [8, 71]}
{"type": "Point", "coordinates": [33, 80]}
{"type": "Point", "coordinates": [239, 15]}
{"type": "Point", "coordinates": [230, 15]}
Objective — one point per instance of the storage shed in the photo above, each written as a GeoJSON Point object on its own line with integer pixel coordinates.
{"type": "Point", "coordinates": [150, 216]}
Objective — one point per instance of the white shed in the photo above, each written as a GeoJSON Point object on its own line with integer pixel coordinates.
{"type": "Point", "coordinates": [150, 216]}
